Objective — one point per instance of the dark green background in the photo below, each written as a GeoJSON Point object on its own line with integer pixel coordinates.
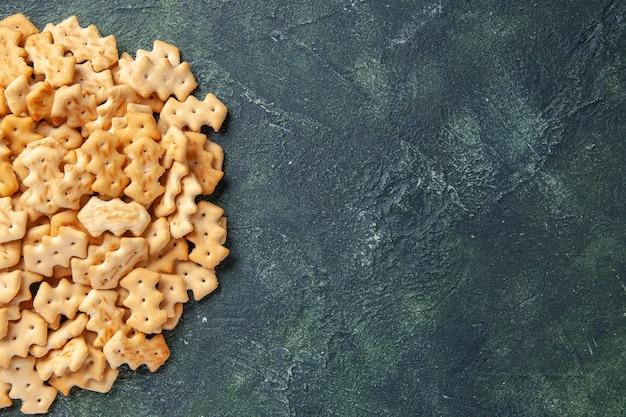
{"type": "Point", "coordinates": [425, 202]}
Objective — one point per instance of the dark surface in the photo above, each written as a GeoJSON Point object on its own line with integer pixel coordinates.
{"type": "Point", "coordinates": [425, 203]}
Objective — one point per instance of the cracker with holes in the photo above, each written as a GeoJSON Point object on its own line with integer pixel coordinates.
{"type": "Point", "coordinates": [49, 60]}
{"type": "Point", "coordinates": [208, 235]}
{"type": "Point", "coordinates": [200, 280]}
{"type": "Point", "coordinates": [85, 43]}
{"type": "Point", "coordinates": [27, 386]}
{"type": "Point", "coordinates": [93, 368]}
{"type": "Point", "coordinates": [39, 100]}
{"type": "Point", "coordinates": [203, 162]}
{"type": "Point", "coordinates": [144, 170]}
{"type": "Point", "coordinates": [105, 317]}
{"type": "Point", "coordinates": [164, 261]}
{"type": "Point", "coordinates": [9, 285]}
{"type": "Point", "coordinates": [106, 163]}
{"type": "Point", "coordinates": [58, 361]}
{"type": "Point", "coordinates": [30, 329]}
{"type": "Point", "coordinates": [70, 329]}
{"type": "Point", "coordinates": [18, 132]}
{"type": "Point", "coordinates": [12, 62]}
{"type": "Point", "coordinates": [193, 114]}
{"type": "Point", "coordinates": [72, 107]}
{"type": "Point", "coordinates": [144, 300]}
{"type": "Point", "coordinates": [55, 250]}
{"type": "Point", "coordinates": [63, 299]}
{"type": "Point", "coordinates": [180, 220]}
{"type": "Point", "coordinates": [135, 349]}
{"type": "Point", "coordinates": [161, 77]}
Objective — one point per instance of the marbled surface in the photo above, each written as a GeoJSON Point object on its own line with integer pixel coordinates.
{"type": "Point", "coordinates": [425, 203]}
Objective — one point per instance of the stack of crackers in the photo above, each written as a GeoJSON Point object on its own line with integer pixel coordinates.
{"type": "Point", "coordinates": [102, 234]}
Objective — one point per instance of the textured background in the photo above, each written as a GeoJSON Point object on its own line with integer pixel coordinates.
{"type": "Point", "coordinates": [425, 203]}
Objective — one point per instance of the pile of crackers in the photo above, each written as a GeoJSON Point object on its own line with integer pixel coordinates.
{"type": "Point", "coordinates": [104, 233]}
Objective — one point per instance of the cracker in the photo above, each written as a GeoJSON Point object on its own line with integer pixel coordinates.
{"type": "Point", "coordinates": [144, 170]}
{"type": "Point", "coordinates": [166, 204]}
{"type": "Point", "coordinates": [208, 235]}
{"type": "Point", "coordinates": [8, 181]}
{"type": "Point", "coordinates": [39, 100]}
{"type": "Point", "coordinates": [163, 78]}
{"type": "Point", "coordinates": [12, 62]}
{"type": "Point", "coordinates": [164, 261]}
{"type": "Point", "coordinates": [203, 162]}
{"type": "Point", "coordinates": [105, 317]}
{"type": "Point", "coordinates": [49, 59]}
{"type": "Point", "coordinates": [92, 82]}
{"type": "Point", "coordinates": [85, 43]}
{"type": "Point", "coordinates": [83, 268]}
{"type": "Point", "coordinates": [200, 280]}
{"type": "Point", "coordinates": [180, 220]}
{"type": "Point", "coordinates": [15, 95]}
{"type": "Point", "coordinates": [93, 368]}
{"type": "Point", "coordinates": [138, 124]}
{"type": "Point", "coordinates": [157, 235]}
{"type": "Point", "coordinates": [66, 136]}
{"type": "Point", "coordinates": [64, 299]}
{"type": "Point", "coordinates": [27, 386]}
{"type": "Point", "coordinates": [20, 22]}
{"type": "Point", "coordinates": [118, 263]}
{"type": "Point", "coordinates": [143, 300]}
{"type": "Point", "coordinates": [106, 163]}
{"type": "Point", "coordinates": [30, 330]}
{"type": "Point", "coordinates": [193, 113]}
{"type": "Point", "coordinates": [57, 338]}
{"type": "Point", "coordinates": [174, 143]}
{"type": "Point", "coordinates": [72, 107]}
{"type": "Point", "coordinates": [18, 132]}
{"type": "Point", "coordinates": [174, 292]}
{"type": "Point", "coordinates": [114, 215]}
{"type": "Point", "coordinates": [134, 349]}
{"type": "Point", "coordinates": [58, 361]}
{"type": "Point", "coordinates": [55, 250]}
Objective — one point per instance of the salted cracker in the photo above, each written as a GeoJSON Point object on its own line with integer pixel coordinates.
{"type": "Point", "coordinates": [30, 330]}
{"type": "Point", "coordinates": [85, 43]}
{"type": "Point", "coordinates": [180, 220]}
{"type": "Point", "coordinates": [12, 62]}
{"type": "Point", "coordinates": [114, 215]}
{"type": "Point", "coordinates": [193, 114]}
{"type": "Point", "coordinates": [106, 162]}
{"type": "Point", "coordinates": [135, 349]}
{"type": "Point", "coordinates": [144, 170]}
{"type": "Point", "coordinates": [205, 161]}
{"type": "Point", "coordinates": [105, 317]}
{"type": "Point", "coordinates": [69, 357]}
{"type": "Point", "coordinates": [200, 280]}
{"type": "Point", "coordinates": [208, 236]}
{"type": "Point", "coordinates": [36, 396]}
{"type": "Point", "coordinates": [64, 299]}
{"type": "Point", "coordinates": [55, 250]}
{"type": "Point", "coordinates": [10, 253]}
{"type": "Point", "coordinates": [143, 300]}
{"type": "Point", "coordinates": [48, 59]}
{"type": "Point", "coordinates": [69, 329]}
